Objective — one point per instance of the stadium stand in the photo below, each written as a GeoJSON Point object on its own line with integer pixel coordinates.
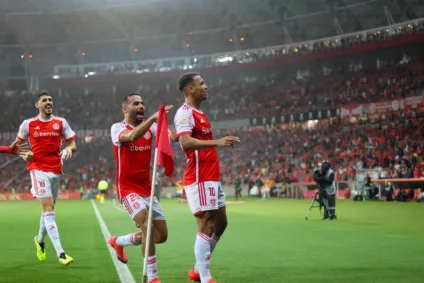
{"type": "Point", "coordinates": [256, 93]}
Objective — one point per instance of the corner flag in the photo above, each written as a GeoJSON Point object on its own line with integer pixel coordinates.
{"type": "Point", "coordinates": [163, 145]}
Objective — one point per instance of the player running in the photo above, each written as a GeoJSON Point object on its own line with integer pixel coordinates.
{"type": "Point", "coordinates": [201, 178]}
{"type": "Point", "coordinates": [132, 143]}
{"type": "Point", "coordinates": [45, 133]}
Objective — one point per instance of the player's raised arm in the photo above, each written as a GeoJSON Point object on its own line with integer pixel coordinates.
{"type": "Point", "coordinates": [137, 132]}
{"type": "Point", "coordinates": [173, 136]}
{"type": "Point", "coordinates": [189, 143]}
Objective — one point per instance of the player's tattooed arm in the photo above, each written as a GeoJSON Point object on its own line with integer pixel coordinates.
{"type": "Point", "coordinates": [190, 143]}
{"type": "Point", "coordinates": [137, 132]}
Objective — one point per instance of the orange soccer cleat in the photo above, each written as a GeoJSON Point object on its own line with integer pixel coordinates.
{"type": "Point", "coordinates": [211, 281]}
{"type": "Point", "coordinates": [156, 280]}
{"type": "Point", "coordinates": [193, 275]}
{"type": "Point", "coordinates": [119, 250]}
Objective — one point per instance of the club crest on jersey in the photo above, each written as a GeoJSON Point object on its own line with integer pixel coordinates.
{"type": "Point", "coordinates": [56, 127]}
{"type": "Point", "coordinates": [147, 136]}
{"type": "Point", "coordinates": [136, 205]}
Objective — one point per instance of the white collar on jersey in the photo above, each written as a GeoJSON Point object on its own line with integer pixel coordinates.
{"type": "Point", "coordinates": [44, 120]}
{"type": "Point", "coordinates": [126, 124]}
{"type": "Point", "coordinates": [200, 111]}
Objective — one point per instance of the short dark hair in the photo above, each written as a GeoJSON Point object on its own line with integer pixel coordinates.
{"type": "Point", "coordinates": [125, 100]}
{"type": "Point", "coordinates": [43, 93]}
{"type": "Point", "coordinates": [185, 80]}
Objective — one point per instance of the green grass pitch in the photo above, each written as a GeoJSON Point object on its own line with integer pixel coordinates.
{"type": "Point", "coordinates": [266, 241]}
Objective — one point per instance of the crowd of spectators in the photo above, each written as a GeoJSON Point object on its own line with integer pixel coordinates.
{"type": "Point", "coordinates": [391, 143]}
{"type": "Point", "coordinates": [245, 56]}
{"type": "Point", "coordinates": [257, 94]}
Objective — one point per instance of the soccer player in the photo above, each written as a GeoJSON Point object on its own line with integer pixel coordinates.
{"type": "Point", "coordinates": [132, 143]}
{"type": "Point", "coordinates": [204, 192]}
{"type": "Point", "coordinates": [45, 133]}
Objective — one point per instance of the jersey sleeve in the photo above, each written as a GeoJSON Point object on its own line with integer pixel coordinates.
{"type": "Point", "coordinates": [23, 131]}
{"type": "Point", "coordinates": [184, 122]}
{"type": "Point", "coordinates": [115, 133]}
{"type": "Point", "coordinates": [154, 129]}
{"type": "Point", "coordinates": [67, 132]}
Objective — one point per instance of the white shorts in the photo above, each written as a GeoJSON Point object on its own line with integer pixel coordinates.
{"type": "Point", "coordinates": [134, 203]}
{"type": "Point", "coordinates": [44, 184]}
{"type": "Point", "coordinates": [205, 196]}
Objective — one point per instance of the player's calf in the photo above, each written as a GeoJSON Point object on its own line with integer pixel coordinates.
{"type": "Point", "coordinates": [206, 222]}
{"type": "Point", "coordinates": [52, 229]}
{"type": "Point", "coordinates": [141, 218]}
{"type": "Point", "coordinates": [202, 246]}
{"type": "Point", "coordinates": [221, 221]}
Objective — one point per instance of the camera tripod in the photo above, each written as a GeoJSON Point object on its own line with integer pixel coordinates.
{"type": "Point", "coordinates": [320, 195]}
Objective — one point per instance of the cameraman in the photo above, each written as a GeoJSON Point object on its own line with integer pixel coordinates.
{"type": "Point", "coordinates": [238, 188]}
{"type": "Point", "coordinates": [324, 177]}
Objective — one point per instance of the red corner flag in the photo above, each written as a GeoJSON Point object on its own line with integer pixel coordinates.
{"type": "Point", "coordinates": [163, 145]}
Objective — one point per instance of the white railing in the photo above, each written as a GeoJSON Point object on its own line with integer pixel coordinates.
{"type": "Point", "coordinates": [228, 58]}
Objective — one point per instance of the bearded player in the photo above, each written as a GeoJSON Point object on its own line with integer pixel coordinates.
{"type": "Point", "coordinates": [45, 133]}
{"type": "Point", "coordinates": [132, 143]}
{"type": "Point", "coordinates": [201, 178]}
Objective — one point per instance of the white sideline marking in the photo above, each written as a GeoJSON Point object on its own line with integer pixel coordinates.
{"type": "Point", "coordinates": [123, 272]}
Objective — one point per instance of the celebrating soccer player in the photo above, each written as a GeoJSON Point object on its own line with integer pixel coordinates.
{"type": "Point", "coordinates": [201, 178]}
{"type": "Point", "coordinates": [45, 133]}
{"type": "Point", "coordinates": [132, 143]}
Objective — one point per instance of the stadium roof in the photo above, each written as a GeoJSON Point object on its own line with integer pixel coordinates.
{"type": "Point", "coordinates": [161, 28]}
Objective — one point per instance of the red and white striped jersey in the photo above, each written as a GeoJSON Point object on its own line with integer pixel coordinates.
{"type": "Point", "coordinates": [45, 138]}
{"type": "Point", "coordinates": [202, 164]}
{"type": "Point", "coordinates": [132, 161]}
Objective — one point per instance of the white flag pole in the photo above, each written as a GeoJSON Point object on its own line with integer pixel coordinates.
{"type": "Point", "coordinates": [149, 222]}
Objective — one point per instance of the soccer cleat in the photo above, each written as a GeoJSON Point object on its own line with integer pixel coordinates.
{"type": "Point", "coordinates": [41, 251]}
{"type": "Point", "coordinates": [118, 249]}
{"type": "Point", "coordinates": [211, 281]}
{"type": "Point", "coordinates": [65, 259]}
{"type": "Point", "coordinates": [156, 280]}
{"type": "Point", "coordinates": [193, 275]}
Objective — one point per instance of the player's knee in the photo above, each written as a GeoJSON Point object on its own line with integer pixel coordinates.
{"type": "Point", "coordinates": [48, 207]}
{"type": "Point", "coordinates": [162, 238]}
